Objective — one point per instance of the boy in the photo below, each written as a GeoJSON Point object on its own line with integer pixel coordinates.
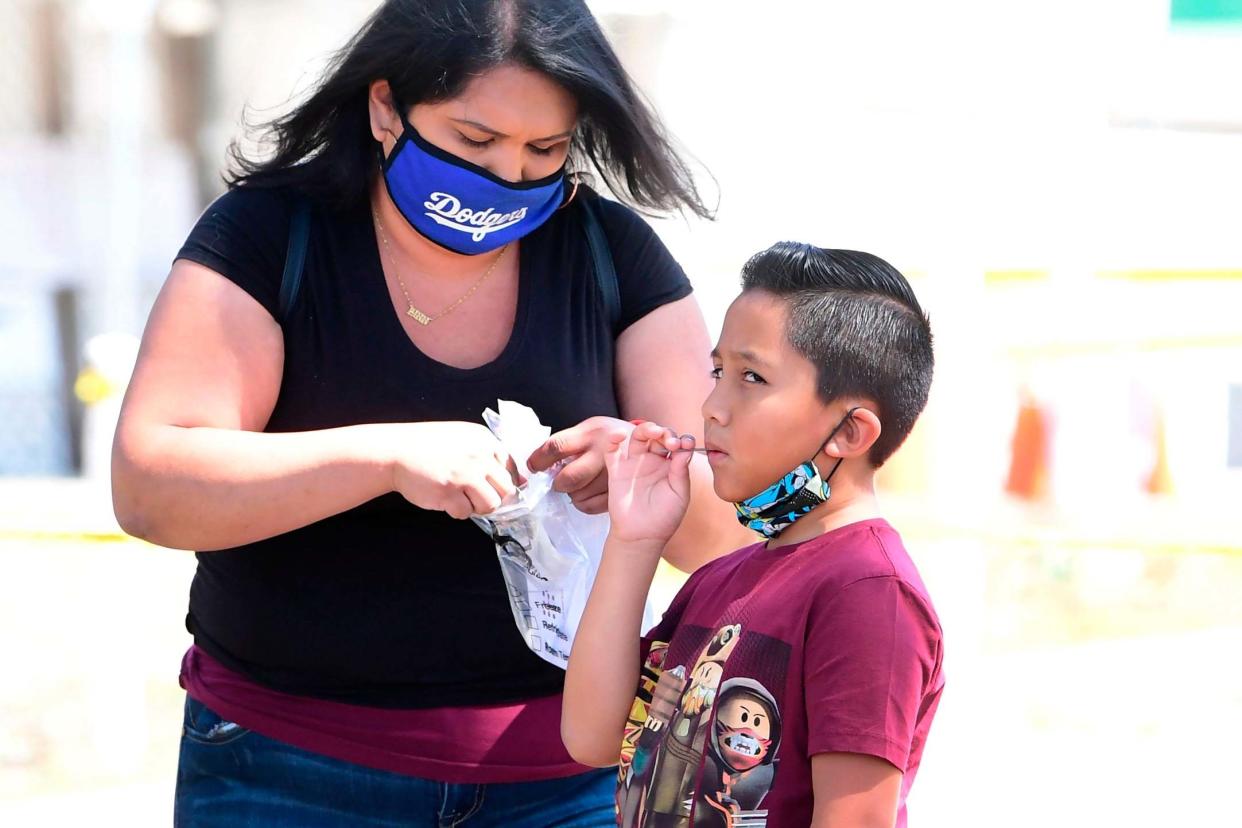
{"type": "Point", "coordinates": [792, 682]}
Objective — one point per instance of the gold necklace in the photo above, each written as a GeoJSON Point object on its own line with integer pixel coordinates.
{"type": "Point", "coordinates": [412, 311]}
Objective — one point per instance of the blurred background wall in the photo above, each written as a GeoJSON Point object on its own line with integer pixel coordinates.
{"type": "Point", "coordinates": [1060, 180]}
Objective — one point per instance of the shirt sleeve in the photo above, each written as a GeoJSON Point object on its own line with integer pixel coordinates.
{"type": "Point", "coordinates": [648, 276]}
{"type": "Point", "coordinates": [243, 236]}
{"type": "Point", "coordinates": [872, 657]}
{"type": "Point", "coordinates": [663, 630]}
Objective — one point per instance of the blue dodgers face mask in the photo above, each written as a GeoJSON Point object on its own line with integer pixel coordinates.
{"type": "Point", "coordinates": [775, 509]}
{"type": "Point", "coordinates": [462, 206]}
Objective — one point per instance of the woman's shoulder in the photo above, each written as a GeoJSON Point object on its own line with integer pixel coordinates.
{"type": "Point", "coordinates": [618, 219]}
{"type": "Point", "coordinates": [648, 276]}
{"type": "Point", "coordinates": [631, 239]}
{"type": "Point", "coordinates": [254, 207]}
{"type": "Point", "coordinates": [243, 235]}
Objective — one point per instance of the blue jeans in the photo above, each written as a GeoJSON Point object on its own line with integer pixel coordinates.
{"type": "Point", "coordinates": [230, 776]}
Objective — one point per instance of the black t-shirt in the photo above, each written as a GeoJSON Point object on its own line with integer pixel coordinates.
{"type": "Point", "coordinates": [387, 604]}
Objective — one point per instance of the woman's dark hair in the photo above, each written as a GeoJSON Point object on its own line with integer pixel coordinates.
{"type": "Point", "coordinates": [855, 317]}
{"type": "Point", "coordinates": [429, 50]}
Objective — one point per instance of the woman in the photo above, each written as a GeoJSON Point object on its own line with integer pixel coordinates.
{"type": "Point", "coordinates": [355, 659]}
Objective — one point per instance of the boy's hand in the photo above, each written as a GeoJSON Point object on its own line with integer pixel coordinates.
{"type": "Point", "coordinates": [648, 483]}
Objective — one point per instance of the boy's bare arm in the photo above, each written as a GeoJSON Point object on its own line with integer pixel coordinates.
{"type": "Point", "coordinates": [603, 668]}
{"type": "Point", "coordinates": [854, 791]}
{"type": "Point", "coordinates": [648, 491]}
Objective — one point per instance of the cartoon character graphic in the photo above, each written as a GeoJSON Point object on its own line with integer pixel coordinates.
{"type": "Point", "coordinates": [705, 677]}
{"type": "Point", "coordinates": [669, 799]}
{"type": "Point", "coordinates": [635, 774]}
{"type": "Point", "coordinates": [741, 759]}
{"type": "Point", "coordinates": [700, 750]}
{"type": "Point", "coordinates": [649, 677]}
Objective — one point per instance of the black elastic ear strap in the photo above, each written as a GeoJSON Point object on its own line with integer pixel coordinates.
{"type": "Point", "coordinates": [601, 258]}
{"type": "Point", "coordinates": [295, 257]}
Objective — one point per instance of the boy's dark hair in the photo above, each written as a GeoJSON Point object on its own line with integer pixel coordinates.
{"type": "Point", "coordinates": [855, 317]}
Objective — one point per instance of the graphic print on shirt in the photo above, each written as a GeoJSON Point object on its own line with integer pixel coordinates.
{"type": "Point", "coordinates": [700, 750]}
{"type": "Point", "coordinates": [741, 760]}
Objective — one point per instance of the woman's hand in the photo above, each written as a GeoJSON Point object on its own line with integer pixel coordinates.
{"type": "Point", "coordinates": [584, 478]}
{"type": "Point", "coordinates": [454, 467]}
{"type": "Point", "coordinates": [648, 483]}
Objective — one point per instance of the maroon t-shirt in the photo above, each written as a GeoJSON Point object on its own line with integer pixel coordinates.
{"type": "Point", "coordinates": [769, 656]}
{"type": "Point", "coordinates": [480, 745]}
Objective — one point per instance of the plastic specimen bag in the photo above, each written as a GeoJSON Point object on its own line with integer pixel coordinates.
{"type": "Point", "coordinates": [549, 551]}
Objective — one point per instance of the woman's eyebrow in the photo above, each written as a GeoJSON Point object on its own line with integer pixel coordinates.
{"type": "Point", "coordinates": [499, 134]}
{"type": "Point", "coordinates": [558, 136]}
{"type": "Point", "coordinates": [480, 127]}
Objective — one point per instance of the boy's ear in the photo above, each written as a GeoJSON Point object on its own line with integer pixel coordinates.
{"type": "Point", "coordinates": [857, 436]}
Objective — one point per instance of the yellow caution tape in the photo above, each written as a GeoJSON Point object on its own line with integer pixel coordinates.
{"type": "Point", "coordinates": [67, 536]}
{"type": "Point", "coordinates": [992, 538]}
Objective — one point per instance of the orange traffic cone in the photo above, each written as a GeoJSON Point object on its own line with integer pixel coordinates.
{"type": "Point", "coordinates": [1160, 480]}
{"type": "Point", "coordinates": [1028, 465]}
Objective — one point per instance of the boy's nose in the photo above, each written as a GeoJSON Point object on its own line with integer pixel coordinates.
{"type": "Point", "coordinates": [713, 410]}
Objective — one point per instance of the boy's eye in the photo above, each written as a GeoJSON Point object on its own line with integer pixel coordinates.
{"type": "Point", "coordinates": [747, 376]}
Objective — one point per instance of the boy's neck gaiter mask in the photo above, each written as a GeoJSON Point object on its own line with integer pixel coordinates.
{"type": "Point", "coordinates": [462, 206]}
{"type": "Point", "coordinates": [777, 507]}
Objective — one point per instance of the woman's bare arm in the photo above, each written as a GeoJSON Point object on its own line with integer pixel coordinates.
{"type": "Point", "coordinates": [192, 469]}
{"type": "Point", "coordinates": [664, 375]}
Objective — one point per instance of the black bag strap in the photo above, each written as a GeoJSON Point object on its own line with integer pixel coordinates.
{"type": "Point", "coordinates": [295, 257]}
{"type": "Point", "coordinates": [601, 258]}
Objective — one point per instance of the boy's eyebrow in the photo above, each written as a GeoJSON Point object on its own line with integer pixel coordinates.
{"type": "Point", "coordinates": [499, 134]}
{"type": "Point", "coordinates": [743, 355]}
